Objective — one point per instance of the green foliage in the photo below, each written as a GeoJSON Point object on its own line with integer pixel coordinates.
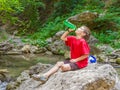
{"type": "Point", "coordinates": [64, 7]}
{"type": "Point", "coordinates": [21, 13]}
{"type": "Point", "coordinates": [48, 30]}
{"type": "Point", "coordinates": [106, 20]}
{"type": "Point", "coordinates": [108, 37]}
{"type": "Point", "coordinates": [8, 9]}
{"type": "Point", "coordinates": [105, 37]}
{"type": "Point", "coordinates": [37, 42]}
{"type": "Point", "coordinates": [30, 15]}
{"type": "Point", "coordinates": [89, 5]}
{"type": "Point", "coordinates": [27, 16]}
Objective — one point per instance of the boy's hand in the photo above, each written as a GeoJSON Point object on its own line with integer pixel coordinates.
{"type": "Point", "coordinates": [73, 60]}
{"type": "Point", "coordinates": [70, 30]}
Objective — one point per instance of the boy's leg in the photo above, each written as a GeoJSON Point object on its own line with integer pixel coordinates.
{"type": "Point", "coordinates": [69, 66]}
{"type": "Point", "coordinates": [65, 67]}
{"type": "Point", "coordinates": [54, 69]}
{"type": "Point", "coordinates": [46, 75]}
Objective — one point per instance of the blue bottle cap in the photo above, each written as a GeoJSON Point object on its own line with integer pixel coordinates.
{"type": "Point", "coordinates": [92, 59]}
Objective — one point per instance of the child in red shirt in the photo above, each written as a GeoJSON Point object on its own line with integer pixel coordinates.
{"type": "Point", "coordinates": [79, 51]}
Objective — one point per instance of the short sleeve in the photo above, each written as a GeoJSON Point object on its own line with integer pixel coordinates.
{"type": "Point", "coordinates": [69, 41]}
{"type": "Point", "coordinates": [85, 48]}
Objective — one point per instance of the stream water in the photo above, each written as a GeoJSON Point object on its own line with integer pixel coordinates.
{"type": "Point", "coordinates": [15, 64]}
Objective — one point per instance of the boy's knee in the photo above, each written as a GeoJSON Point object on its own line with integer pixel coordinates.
{"type": "Point", "coordinates": [59, 64]}
{"type": "Point", "coordinates": [65, 68]}
{"type": "Point", "coordinates": [62, 68]}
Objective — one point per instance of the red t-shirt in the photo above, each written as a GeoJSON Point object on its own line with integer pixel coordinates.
{"type": "Point", "coordinates": [78, 47]}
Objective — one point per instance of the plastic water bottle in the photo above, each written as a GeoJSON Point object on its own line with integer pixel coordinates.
{"type": "Point", "coordinates": [92, 59]}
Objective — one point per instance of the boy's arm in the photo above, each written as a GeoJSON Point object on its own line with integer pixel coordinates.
{"type": "Point", "coordinates": [80, 58]}
{"type": "Point", "coordinates": [64, 36]}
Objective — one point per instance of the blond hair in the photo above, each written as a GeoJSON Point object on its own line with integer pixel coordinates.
{"type": "Point", "coordinates": [86, 31]}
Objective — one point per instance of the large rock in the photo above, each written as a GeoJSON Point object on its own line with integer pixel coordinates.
{"type": "Point", "coordinates": [93, 77]}
{"type": "Point", "coordinates": [85, 18]}
{"type": "Point", "coordinates": [55, 44]}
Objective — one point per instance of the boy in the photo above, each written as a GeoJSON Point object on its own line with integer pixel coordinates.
{"type": "Point", "coordinates": [79, 53]}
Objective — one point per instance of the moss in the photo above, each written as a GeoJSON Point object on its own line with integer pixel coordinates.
{"type": "Point", "coordinates": [118, 61]}
{"type": "Point", "coordinates": [61, 52]}
{"type": "Point", "coordinates": [100, 60]}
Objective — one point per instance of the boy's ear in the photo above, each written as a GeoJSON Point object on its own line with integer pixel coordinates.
{"type": "Point", "coordinates": [85, 34]}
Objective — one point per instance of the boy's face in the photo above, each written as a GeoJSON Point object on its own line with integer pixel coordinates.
{"type": "Point", "coordinates": [80, 31]}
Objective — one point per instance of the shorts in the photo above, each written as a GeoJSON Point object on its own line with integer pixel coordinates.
{"type": "Point", "coordinates": [72, 65]}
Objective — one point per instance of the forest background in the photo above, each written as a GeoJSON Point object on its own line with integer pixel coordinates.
{"type": "Point", "coordinates": [37, 20]}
